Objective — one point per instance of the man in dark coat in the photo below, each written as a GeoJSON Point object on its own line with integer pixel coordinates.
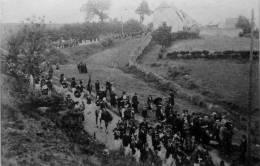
{"type": "Point", "coordinates": [159, 113]}
{"type": "Point", "coordinates": [42, 82]}
{"type": "Point", "coordinates": [73, 83]}
{"type": "Point", "coordinates": [171, 99]}
{"type": "Point", "coordinates": [89, 85]}
{"type": "Point", "coordinates": [149, 102]}
{"type": "Point", "coordinates": [243, 149]}
{"type": "Point", "coordinates": [50, 74]}
{"type": "Point", "coordinates": [113, 99]}
{"type": "Point", "coordinates": [108, 87]}
{"type": "Point", "coordinates": [49, 84]}
{"type": "Point", "coordinates": [97, 86]}
{"type": "Point", "coordinates": [144, 112]}
{"type": "Point", "coordinates": [80, 87]}
{"type": "Point", "coordinates": [135, 102]}
{"type": "Point", "coordinates": [126, 139]}
{"type": "Point", "coordinates": [62, 78]}
{"type": "Point", "coordinates": [85, 68]}
{"type": "Point", "coordinates": [142, 136]}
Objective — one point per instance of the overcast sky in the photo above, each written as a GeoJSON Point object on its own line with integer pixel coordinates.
{"type": "Point", "coordinates": [68, 11]}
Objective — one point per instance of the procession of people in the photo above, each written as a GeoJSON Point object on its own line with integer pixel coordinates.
{"type": "Point", "coordinates": [180, 138]}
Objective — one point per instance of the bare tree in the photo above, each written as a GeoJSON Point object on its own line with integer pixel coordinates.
{"type": "Point", "coordinates": [96, 8]}
{"type": "Point", "coordinates": [143, 10]}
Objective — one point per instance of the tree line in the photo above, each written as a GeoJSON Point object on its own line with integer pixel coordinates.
{"type": "Point", "coordinates": [93, 30]}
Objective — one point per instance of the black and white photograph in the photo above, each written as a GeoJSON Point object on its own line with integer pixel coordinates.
{"type": "Point", "coordinates": [129, 82]}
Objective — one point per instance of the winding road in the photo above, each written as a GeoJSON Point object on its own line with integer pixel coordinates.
{"type": "Point", "coordinates": [103, 66]}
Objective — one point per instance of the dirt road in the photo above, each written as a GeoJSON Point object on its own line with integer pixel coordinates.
{"type": "Point", "coordinates": [103, 66]}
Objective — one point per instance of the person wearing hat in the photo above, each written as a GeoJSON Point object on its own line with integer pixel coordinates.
{"type": "Point", "coordinates": [69, 101]}
{"type": "Point", "coordinates": [144, 112]}
{"type": "Point", "coordinates": [135, 103]}
{"type": "Point", "coordinates": [89, 86]}
{"type": "Point", "coordinates": [97, 86]}
{"type": "Point", "coordinates": [50, 72]}
{"type": "Point", "coordinates": [243, 149]}
{"type": "Point", "coordinates": [45, 89]}
{"type": "Point", "coordinates": [62, 78]}
{"type": "Point", "coordinates": [171, 99]}
{"type": "Point", "coordinates": [80, 87]}
{"type": "Point", "coordinates": [159, 112]}
{"type": "Point", "coordinates": [43, 81]}
{"type": "Point", "coordinates": [143, 125]}
{"type": "Point", "coordinates": [156, 143]}
{"type": "Point", "coordinates": [149, 102]}
{"type": "Point", "coordinates": [73, 83]}
{"type": "Point", "coordinates": [88, 98]}
{"type": "Point", "coordinates": [113, 99]}
{"type": "Point", "coordinates": [108, 87]}
{"type": "Point", "coordinates": [126, 140]}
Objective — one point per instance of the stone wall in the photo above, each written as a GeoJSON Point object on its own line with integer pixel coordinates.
{"type": "Point", "coordinates": [229, 54]}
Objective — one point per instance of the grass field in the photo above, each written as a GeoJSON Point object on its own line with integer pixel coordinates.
{"type": "Point", "coordinates": [214, 43]}
{"type": "Point", "coordinates": [223, 80]}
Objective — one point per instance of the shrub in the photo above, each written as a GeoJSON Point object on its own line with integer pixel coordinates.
{"type": "Point", "coordinates": [174, 72]}
{"type": "Point", "coordinates": [162, 35]}
{"type": "Point", "coordinates": [155, 65]}
{"type": "Point", "coordinates": [184, 35]}
{"type": "Point", "coordinates": [107, 42]}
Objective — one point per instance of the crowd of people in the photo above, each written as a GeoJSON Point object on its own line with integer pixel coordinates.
{"type": "Point", "coordinates": [184, 136]}
{"type": "Point", "coordinates": [82, 67]}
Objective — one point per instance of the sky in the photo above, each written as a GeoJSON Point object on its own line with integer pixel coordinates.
{"type": "Point", "coordinates": [68, 11]}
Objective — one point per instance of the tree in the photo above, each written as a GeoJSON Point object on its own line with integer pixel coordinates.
{"type": "Point", "coordinates": [27, 49]}
{"type": "Point", "coordinates": [143, 10]}
{"type": "Point", "coordinates": [132, 26]}
{"type": "Point", "coordinates": [162, 35]}
{"type": "Point", "coordinates": [244, 24]}
{"type": "Point", "coordinates": [96, 8]}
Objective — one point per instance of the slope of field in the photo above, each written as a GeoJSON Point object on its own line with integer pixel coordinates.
{"type": "Point", "coordinates": [214, 43]}
{"type": "Point", "coordinates": [27, 140]}
{"type": "Point", "coordinates": [78, 53]}
{"type": "Point", "coordinates": [105, 66]}
{"type": "Point", "coordinates": [224, 80]}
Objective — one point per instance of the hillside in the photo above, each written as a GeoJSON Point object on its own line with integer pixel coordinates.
{"type": "Point", "coordinates": [30, 140]}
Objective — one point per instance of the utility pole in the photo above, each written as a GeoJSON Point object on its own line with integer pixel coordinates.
{"type": "Point", "coordinates": [250, 92]}
{"type": "Point", "coordinates": [122, 28]}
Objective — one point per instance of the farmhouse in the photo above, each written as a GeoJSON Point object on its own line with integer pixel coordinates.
{"type": "Point", "coordinates": [176, 18]}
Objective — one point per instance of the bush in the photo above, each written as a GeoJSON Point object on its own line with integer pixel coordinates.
{"type": "Point", "coordinates": [228, 54]}
{"type": "Point", "coordinates": [155, 65]}
{"type": "Point", "coordinates": [107, 42]}
{"type": "Point", "coordinates": [174, 72]}
{"type": "Point", "coordinates": [162, 35]}
{"type": "Point", "coordinates": [184, 35]}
